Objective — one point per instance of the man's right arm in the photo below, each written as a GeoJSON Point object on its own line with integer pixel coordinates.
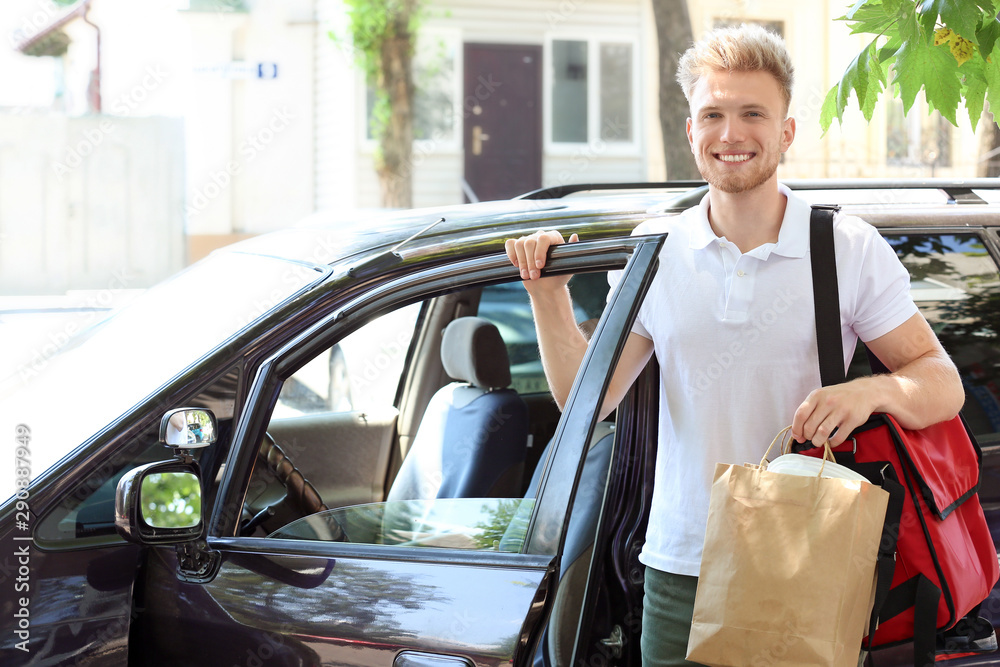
{"type": "Point", "coordinates": [560, 341]}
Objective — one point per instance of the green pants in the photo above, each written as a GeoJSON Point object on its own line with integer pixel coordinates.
{"type": "Point", "coordinates": [666, 618]}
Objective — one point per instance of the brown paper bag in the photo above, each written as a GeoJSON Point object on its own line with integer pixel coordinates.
{"type": "Point", "coordinates": [787, 574]}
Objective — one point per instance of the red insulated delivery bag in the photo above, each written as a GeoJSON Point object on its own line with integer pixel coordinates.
{"type": "Point", "coordinates": [937, 561]}
{"type": "Point", "coordinates": [937, 548]}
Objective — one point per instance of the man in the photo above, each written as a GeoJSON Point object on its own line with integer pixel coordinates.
{"type": "Point", "coordinates": [729, 316]}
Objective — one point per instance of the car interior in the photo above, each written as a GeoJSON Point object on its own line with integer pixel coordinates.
{"type": "Point", "coordinates": [459, 409]}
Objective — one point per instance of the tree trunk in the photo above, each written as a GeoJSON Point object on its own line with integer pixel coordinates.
{"type": "Point", "coordinates": [394, 163]}
{"type": "Point", "coordinates": [673, 32]}
{"type": "Point", "coordinates": [989, 148]}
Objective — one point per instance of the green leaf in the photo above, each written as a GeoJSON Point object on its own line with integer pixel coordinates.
{"type": "Point", "coordinates": [991, 72]}
{"type": "Point", "coordinates": [955, 14]}
{"type": "Point", "coordinates": [855, 77]}
{"type": "Point", "coordinates": [928, 12]}
{"type": "Point", "coordinates": [855, 8]}
{"type": "Point", "coordinates": [871, 18]}
{"type": "Point", "coordinates": [975, 89]}
{"type": "Point", "coordinates": [892, 6]}
{"type": "Point", "coordinates": [875, 78]}
{"type": "Point", "coordinates": [908, 29]}
{"type": "Point", "coordinates": [987, 35]}
{"type": "Point", "coordinates": [989, 7]}
{"type": "Point", "coordinates": [933, 68]}
{"type": "Point", "coordinates": [889, 49]}
{"type": "Point", "coordinates": [830, 110]}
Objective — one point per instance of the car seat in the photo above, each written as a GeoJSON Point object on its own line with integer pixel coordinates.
{"type": "Point", "coordinates": [472, 439]}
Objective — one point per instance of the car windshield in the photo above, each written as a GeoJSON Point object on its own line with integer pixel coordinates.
{"type": "Point", "coordinates": [68, 393]}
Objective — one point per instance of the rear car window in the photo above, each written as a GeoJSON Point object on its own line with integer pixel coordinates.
{"type": "Point", "coordinates": [955, 283]}
{"type": "Point", "coordinates": [508, 307]}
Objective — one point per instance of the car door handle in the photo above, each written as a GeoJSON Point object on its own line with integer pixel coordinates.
{"type": "Point", "coordinates": [417, 659]}
{"type": "Point", "coordinates": [478, 137]}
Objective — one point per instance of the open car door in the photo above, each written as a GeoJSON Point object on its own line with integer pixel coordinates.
{"type": "Point", "coordinates": [455, 581]}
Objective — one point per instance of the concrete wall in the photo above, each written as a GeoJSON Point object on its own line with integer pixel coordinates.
{"type": "Point", "coordinates": [95, 202]}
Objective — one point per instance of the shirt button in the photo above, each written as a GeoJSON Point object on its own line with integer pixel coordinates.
{"type": "Point", "coordinates": [740, 274]}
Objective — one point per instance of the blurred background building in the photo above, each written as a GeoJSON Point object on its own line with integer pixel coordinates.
{"type": "Point", "coordinates": [138, 135]}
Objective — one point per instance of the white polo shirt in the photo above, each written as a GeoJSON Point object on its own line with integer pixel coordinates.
{"type": "Point", "coordinates": [735, 338]}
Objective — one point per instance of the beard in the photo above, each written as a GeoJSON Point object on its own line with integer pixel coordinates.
{"type": "Point", "coordinates": [764, 166]}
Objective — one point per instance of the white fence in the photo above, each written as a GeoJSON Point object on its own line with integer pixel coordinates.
{"type": "Point", "coordinates": [93, 202]}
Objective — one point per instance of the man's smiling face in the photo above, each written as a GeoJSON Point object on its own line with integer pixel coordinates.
{"type": "Point", "coordinates": [738, 129]}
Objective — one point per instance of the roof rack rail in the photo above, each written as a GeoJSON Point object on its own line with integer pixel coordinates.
{"type": "Point", "coordinates": [560, 191]}
{"type": "Point", "coordinates": [958, 191]}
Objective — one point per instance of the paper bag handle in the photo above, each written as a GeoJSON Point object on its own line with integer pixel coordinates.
{"type": "Point", "coordinates": [784, 435]}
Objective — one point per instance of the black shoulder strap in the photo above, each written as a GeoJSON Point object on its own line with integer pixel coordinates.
{"type": "Point", "coordinates": [829, 340]}
{"type": "Point", "coordinates": [826, 295]}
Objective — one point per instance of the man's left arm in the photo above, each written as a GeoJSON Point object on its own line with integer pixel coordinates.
{"type": "Point", "coordinates": [923, 388]}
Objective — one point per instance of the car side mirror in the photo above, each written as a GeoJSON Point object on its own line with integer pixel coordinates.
{"type": "Point", "coordinates": [185, 429]}
{"type": "Point", "coordinates": [160, 502]}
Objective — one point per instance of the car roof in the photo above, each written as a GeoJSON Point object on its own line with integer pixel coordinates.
{"type": "Point", "coordinates": [600, 210]}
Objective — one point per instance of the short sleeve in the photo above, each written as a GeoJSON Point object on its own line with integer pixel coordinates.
{"type": "Point", "coordinates": [884, 301]}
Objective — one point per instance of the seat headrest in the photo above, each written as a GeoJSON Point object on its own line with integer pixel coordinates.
{"type": "Point", "coordinates": [473, 351]}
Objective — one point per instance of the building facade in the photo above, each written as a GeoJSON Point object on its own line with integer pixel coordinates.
{"type": "Point", "coordinates": [264, 108]}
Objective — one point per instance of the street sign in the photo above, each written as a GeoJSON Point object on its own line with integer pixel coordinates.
{"type": "Point", "coordinates": [240, 70]}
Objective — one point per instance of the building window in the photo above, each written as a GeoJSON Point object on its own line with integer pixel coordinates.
{"type": "Point", "coordinates": [593, 91]}
{"type": "Point", "coordinates": [917, 139]}
{"type": "Point", "coordinates": [569, 91]}
{"type": "Point", "coordinates": [616, 92]}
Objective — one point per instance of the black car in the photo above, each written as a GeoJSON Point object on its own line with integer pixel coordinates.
{"type": "Point", "coordinates": [196, 490]}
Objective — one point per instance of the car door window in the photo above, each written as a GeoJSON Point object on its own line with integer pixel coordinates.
{"type": "Point", "coordinates": [346, 463]}
{"type": "Point", "coordinates": [955, 283]}
{"type": "Point", "coordinates": [340, 441]}
{"type": "Point", "coordinates": [334, 422]}
{"type": "Point", "coordinates": [480, 524]}
{"type": "Point", "coordinates": [360, 372]}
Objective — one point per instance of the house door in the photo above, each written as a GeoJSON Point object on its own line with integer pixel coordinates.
{"type": "Point", "coordinates": [503, 120]}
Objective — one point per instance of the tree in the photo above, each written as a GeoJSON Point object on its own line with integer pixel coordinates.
{"type": "Point", "coordinates": [383, 34]}
{"type": "Point", "coordinates": [948, 48]}
{"type": "Point", "coordinates": [989, 152]}
{"type": "Point", "coordinates": [673, 33]}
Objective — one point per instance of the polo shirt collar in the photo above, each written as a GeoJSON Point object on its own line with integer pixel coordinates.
{"type": "Point", "coordinates": [701, 231]}
{"type": "Point", "coordinates": [793, 237]}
